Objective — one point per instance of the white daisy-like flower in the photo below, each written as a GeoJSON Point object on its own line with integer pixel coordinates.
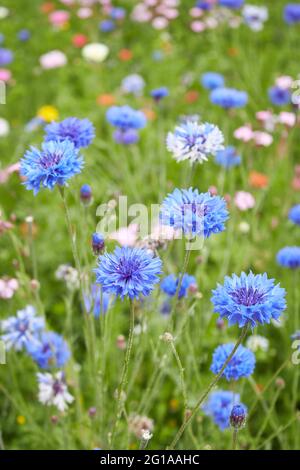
{"type": "Point", "coordinates": [255, 16]}
{"type": "Point", "coordinates": [257, 342]}
{"type": "Point", "coordinates": [54, 391]}
{"type": "Point", "coordinates": [195, 142]}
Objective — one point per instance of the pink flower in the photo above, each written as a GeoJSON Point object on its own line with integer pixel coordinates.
{"type": "Point", "coordinates": [126, 236]}
{"type": "Point", "coordinates": [84, 13]}
{"type": "Point", "coordinates": [285, 82]}
{"type": "Point", "coordinates": [160, 22]}
{"type": "Point", "coordinates": [244, 133]}
{"type": "Point", "coordinates": [263, 116]}
{"type": "Point", "coordinates": [5, 75]}
{"type": "Point", "coordinates": [196, 12]}
{"type": "Point", "coordinates": [244, 200]}
{"type": "Point", "coordinates": [6, 172]}
{"type": "Point", "coordinates": [8, 288]}
{"type": "Point", "coordinates": [262, 139]}
{"type": "Point", "coordinates": [53, 59]}
{"type": "Point", "coordinates": [59, 17]}
{"type": "Point", "coordinates": [288, 119]}
{"type": "Point", "coordinates": [197, 26]}
{"type": "Point", "coordinates": [164, 232]}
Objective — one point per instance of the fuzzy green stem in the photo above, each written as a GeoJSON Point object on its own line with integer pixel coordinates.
{"type": "Point", "coordinates": [209, 388]}
{"type": "Point", "coordinates": [182, 379]}
{"type": "Point", "coordinates": [234, 438]}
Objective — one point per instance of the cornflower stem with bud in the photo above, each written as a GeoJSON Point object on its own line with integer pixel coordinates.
{"type": "Point", "coordinates": [124, 376]}
{"type": "Point", "coordinates": [208, 389]}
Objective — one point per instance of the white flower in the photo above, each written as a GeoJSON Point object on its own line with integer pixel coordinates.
{"type": "Point", "coordinates": [4, 12]}
{"type": "Point", "coordinates": [256, 342]}
{"type": "Point", "coordinates": [4, 127]}
{"type": "Point", "coordinates": [68, 274]}
{"type": "Point", "coordinates": [255, 16]}
{"type": "Point", "coordinates": [53, 390]}
{"type": "Point", "coordinates": [195, 142]}
{"type": "Point", "coordinates": [53, 59]}
{"type": "Point", "coordinates": [133, 83]}
{"type": "Point", "coordinates": [95, 52]}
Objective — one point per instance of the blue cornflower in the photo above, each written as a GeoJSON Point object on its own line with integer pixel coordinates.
{"type": "Point", "coordinates": [93, 301]}
{"type": "Point", "coordinates": [50, 351]}
{"type": "Point", "coordinates": [279, 96]}
{"type": "Point", "coordinates": [133, 83]}
{"type": "Point", "coordinates": [289, 257]}
{"type": "Point", "coordinates": [126, 136]}
{"type": "Point", "coordinates": [159, 93]}
{"type": "Point", "coordinates": [231, 3]}
{"type": "Point", "coordinates": [294, 214]}
{"type": "Point", "coordinates": [106, 26]}
{"type": "Point", "coordinates": [6, 57]}
{"type": "Point", "coordinates": [212, 80]}
{"type": "Point", "coordinates": [204, 5]}
{"type": "Point", "coordinates": [24, 35]}
{"type": "Point", "coordinates": [228, 157]}
{"type": "Point", "coordinates": [194, 213]}
{"type": "Point", "coordinates": [80, 132]}
{"type": "Point", "coordinates": [53, 165]}
{"type": "Point", "coordinates": [238, 416]}
{"type": "Point", "coordinates": [131, 272]}
{"type": "Point", "coordinates": [229, 98]}
{"type": "Point", "coordinates": [249, 299]}
{"type": "Point", "coordinates": [291, 13]}
{"type": "Point", "coordinates": [22, 330]}
{"type": "Point", "coordinates": [117, 13]}
{"type": "Point", "coordinates": [169, 285]}
{"type": "Point", "coordinates": [124, 117]}
{"type": "Point", "coordinates": [195, 142]}
{"type": "Point", "coordinates": [98, 243]}
{"type": "Point", "coordinates": [240, 365]}
{"type": "Point", "coordinates": [86, 194]}
{"type": "Point", "coordinates": [219, 406]}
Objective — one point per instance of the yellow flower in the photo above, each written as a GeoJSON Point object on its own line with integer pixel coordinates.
{"type": "Point", "coordinates": [48, 113]}
{"type": "Point", "coordinates": [21, 420]}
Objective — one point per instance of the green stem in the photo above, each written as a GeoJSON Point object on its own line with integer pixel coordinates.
{"type": "Point", "coordinates": [209, 388]}
{"type": "Point", "coordinates": [123, 382]}
{"type": "Point", "coordinates": [182, 380]}
{"type": "Point", "coordinates": [234, 438]}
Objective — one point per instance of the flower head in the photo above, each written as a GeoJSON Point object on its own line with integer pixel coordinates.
{"type": "Point", "coordinates": [238, 416]}
{"type": "Point", "coordinates": [98, 243]}
{"type": "Point", "coordinates": [170, 283]}
{"type": "Point", "coordinates": [124, 117]}
{"type": "Point", "coordinates": [279, 96]}
{"type": "Point", "coordinates": [249, 299]}
{"type": "Point", "coordinates": [219, 405]}
{"type": "Point", "coordinates": [228, 157]}
{"type": "Point", "coordinates": [289, 257]}
{"type": "Point", "coordinates": [294, 214]}
{"type": "Point", "coordinates": [231, 3]}
{"type": "Point", "coordinates": [78, 131]}
{"type": "Point", "coordinates": [53, 165]}
{"type": "Point", "coordinates": [212, 80]}
{"type": "Point", "coordinates": [22, 330]}
{"type": "Point", "coordinates": [159, 93]}
{"type": "Point", "coordinates": [50, 351]}
{"type": "Point", "coordinates": [54, 391]}
{"type": "Point", "coordinates": [195, 142]}
{"type": "Point", "coordinates": [133, 84]}
{"type": "Point", "coordinates": [229, 98]}
{"type": "Point", "coordinates": [93, 300]}
{"type": "Point", "coordinates": [194, 213]}
{"type": "Point", "coordinates": [240, 365]}
{"type": "Point", "coordinates": [255, 16]}
{"type": "Point", "coordinates": [128, 272]}
{"type": "Point", "coordinates": [291, 13]}
{"type": "Point", "coordinates": [6, 57]}
{"type": "Point", "coordinates": [95, 52]}
{"type": "Point", "coordinates": [86, 194]}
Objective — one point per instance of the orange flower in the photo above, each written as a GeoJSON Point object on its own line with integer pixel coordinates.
{"type": "Point", "coordinates": [125, 54]}
{"type": "Point", "coordinates": [149, 113]}
{"type": "Point", "coordinates": [47, 7]}
{"type": "Point", "coordinates": [258, 180]}
{"type": "Point", "coordinates": [233, 51]}
{"type": "Point", "coordinates": [106, 99]}
{"type": "Point", "coordinates": [191, 96]}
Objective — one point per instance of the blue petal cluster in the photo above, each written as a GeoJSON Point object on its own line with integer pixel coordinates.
{"type": "Point", "coordinates": [169, 285]}
{"type": "Point", "coordinates": [159, 93]}
{"type": "Point", "coordinates": [279, 96]}
{"type": "Point", "coordinates": [212, 80]}
{"type": "Point", "coordinates": [231, 3]}
{"type": "Point", "coordinates": [194, 213]}
{"type": "Point", "coordinates": [6, 57]}
{"type": "Point", "coordinates": [106, 26]}
{"type": "Point", "coordinates": [291, 13]}
{"type": "Point", "coordinates": [219, 406]}
{"type": "Point", "coordinates": [241, 365]}
{"type": "Point", "coordinates": [238, 416]}
{"type": "Point", "coordinates": [229, 98]}
{"type": "Point", "coordinates": [80, 132]}
{"type": "Point", "coordinates": [22, 330]}
{"type": "Point", "coordinates": [228, 157]}
{"type": "Point", "coordinates": [289, 257]}
{"type": "Point", "coordinates": [53, 165]}
{"type": "Point", "coordinates": [50, 351]}
{"type": "Point", "coordinates": [128, 272]}
{"type": "Point", "coordinates": [93, 301]}
{"type": "Point", "coordinates": [249, 299]}
{"type": "Point", "coordinates": [294, 214]}
{"type": "Point", "coordinates": [125, 117]}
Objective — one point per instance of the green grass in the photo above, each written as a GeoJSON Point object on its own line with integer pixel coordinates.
{"type": "Point", "coordinates": [146, 174]}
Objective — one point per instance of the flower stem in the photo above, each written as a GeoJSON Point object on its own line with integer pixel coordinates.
{"type": "Point", "coordinates": [183, 271]}
{"type": "Point", "coordinates": [120, 397]}
{"type": "Point", "coordinates": [182, 380]}
{"type": "Point", "coordinates": [234, 439]}
{"type": "Point", "coordinates": [209, 388]}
